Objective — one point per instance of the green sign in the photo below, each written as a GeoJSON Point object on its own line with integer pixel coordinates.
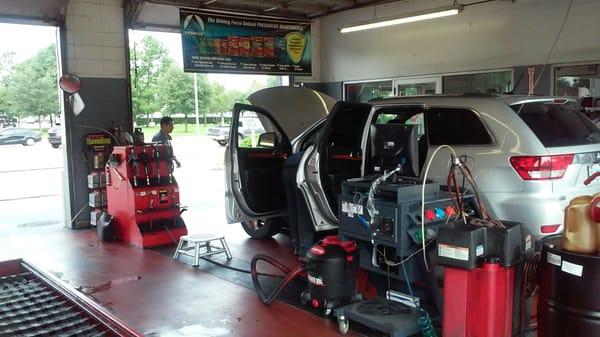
{"type": "Point", "coordinates": [237, 44]}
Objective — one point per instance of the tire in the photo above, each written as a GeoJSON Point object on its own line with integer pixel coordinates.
{"type": "Point", "coordinates": [262, 229]}
{"type": "Point", "coordinates": [222, 142]}
{"type": "Point", "coordinates": [29, 142]}
{"type": "Point", "coordinates": [55, 145]}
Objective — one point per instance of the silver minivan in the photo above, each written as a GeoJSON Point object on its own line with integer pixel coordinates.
{"type": "Point", "coordinates": [530, 155]}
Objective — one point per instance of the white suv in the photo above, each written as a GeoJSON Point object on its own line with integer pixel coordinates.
{"type": "Point", "coordinates": [530, 155]}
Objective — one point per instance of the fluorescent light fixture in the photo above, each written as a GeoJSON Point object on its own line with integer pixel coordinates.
{"type": "Point", "coordinates": [419, 16]}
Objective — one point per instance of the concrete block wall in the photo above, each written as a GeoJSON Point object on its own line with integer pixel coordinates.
{"type": "Point", "coordinates": [95, 47]}
{"type": "Point", "coordinates": [95, 38]}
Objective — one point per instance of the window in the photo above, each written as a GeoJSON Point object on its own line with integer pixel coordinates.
{"type": "Point", "coordinates": [366, 91]}
{"type": "Point", "coordinates": [455, 127]}
{"type": "Point", "coordinates": [582, 82]}
{"type": "Point", "coordinates": [250, 126]}
{"type": "Point", "coordinates": [483, 83]}
{"type": "Point", "coordinates": [406, 116]}
{"type": "Point", "coordinates": [416, 89]}
{"type": "Point", "coordinates": [558, 124]}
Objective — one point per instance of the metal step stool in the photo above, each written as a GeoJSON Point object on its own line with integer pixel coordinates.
{"type": "Point", "coordinates": [199, 245]}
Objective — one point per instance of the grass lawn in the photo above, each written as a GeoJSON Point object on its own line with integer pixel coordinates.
{"type": "Point", "coordinates": [179, 130]}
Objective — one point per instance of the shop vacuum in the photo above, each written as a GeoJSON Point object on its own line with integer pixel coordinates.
{"type": "Point", "coordinates": [331, 266]}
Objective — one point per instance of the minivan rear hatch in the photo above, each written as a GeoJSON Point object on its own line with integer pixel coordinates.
{"type": "Point", "coordinates": [571, 140]}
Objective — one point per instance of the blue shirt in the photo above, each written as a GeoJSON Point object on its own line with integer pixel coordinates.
{"type": "Point", "coordinates": [162, 138]}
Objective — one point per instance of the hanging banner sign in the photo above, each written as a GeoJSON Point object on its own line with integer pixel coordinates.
{"type": "Point", "coordinates": [237, 44]}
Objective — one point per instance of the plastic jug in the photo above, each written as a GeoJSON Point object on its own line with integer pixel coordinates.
{"type": "Point", "coordinates": [595, 214]}
{"type": "Point", "coordinates": [580, 234]}
{"type": "Point", "coordinates": [595, 209]}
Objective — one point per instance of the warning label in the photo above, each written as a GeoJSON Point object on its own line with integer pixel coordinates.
{"type": "Point", "coordinates": [453, 252]}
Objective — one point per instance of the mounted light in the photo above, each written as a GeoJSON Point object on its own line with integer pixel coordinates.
{"type": "Point", "coordinates": [418, 16]}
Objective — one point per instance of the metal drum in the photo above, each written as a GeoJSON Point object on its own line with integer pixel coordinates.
{"type": "Point", "coordinates": [569, 303]}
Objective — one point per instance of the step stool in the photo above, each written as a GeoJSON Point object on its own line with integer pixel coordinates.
{"type": "Point", "coordinates": [199, 245]}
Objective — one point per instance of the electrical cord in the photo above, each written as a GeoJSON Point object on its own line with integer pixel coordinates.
{"type": "Point", "coordinates": [371, 196]}
{"type": "Point", "coordinates": [530, 282]}
{"type": "Point", "coordinates": [291, 274]}
{"type": "Point", "coordinates": [100, 129]}
{"type": "Point", "coordinates": [395, 264]}
{"type": "Point", "coordinates": [424, 321]}
{"type": "Point", "coordinates": [78, 214]}
{"type": "Point", "coordinates": [435, 152]}
{"type": "Point", "coordinates": [560, 31]}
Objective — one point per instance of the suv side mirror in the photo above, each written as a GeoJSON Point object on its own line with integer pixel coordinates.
{"type": "Point", "coordinates": [267, 140]}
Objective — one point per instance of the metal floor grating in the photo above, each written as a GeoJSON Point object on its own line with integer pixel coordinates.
{"type": "Point", "coordinates": [30, 308]}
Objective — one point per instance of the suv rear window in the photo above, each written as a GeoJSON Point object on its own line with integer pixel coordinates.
{"type": "Point", "coordinates": [454, 126]}
{"type": "Point", "coordinates": [558, 124]}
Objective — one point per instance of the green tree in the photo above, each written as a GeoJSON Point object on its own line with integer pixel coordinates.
{"type": "Point", "coordinates": [33, 89]}
{"type": "Point", "coordinates": [273, 81]}
{"type": "Point", "coordinates": [6, 69]}
{"type": "Point", "coordinates": [149, 60]}
{"type": "Point", "coordinates": [176, 93]}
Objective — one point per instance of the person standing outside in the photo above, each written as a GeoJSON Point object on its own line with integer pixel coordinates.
{"type": "Point", "coordinates": [164, 135]}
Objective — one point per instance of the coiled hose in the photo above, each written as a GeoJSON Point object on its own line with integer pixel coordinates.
{"type": "Point", "coordinates": [424, 321]}
{"type": "Point", "coordinates": [290, 275]}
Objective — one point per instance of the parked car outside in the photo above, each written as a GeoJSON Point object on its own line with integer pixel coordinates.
{"type": "Point", "coordinates": [54, 136]}
{"type": "Point", "coordinates": [6, 121]}
{"type": "Point", "coordinates": [22, 136]}
{"type": "Point", "coordinates": [249, 126]}
{"type": "Point", "coordinates": [529, 155]}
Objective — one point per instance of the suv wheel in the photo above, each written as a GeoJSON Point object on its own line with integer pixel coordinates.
{"type": "Point", "coordinates": [262, 228]}
{"type": "Point", "coordinates": [29, 142]}
{"type": "Point", "coordinates": [55, 146]}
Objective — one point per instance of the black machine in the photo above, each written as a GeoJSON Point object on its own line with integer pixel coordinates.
{"type": "Point", "coordinates": [395, 231]}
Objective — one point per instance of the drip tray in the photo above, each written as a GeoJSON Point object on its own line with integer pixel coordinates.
{"type": "Point", "coordinates": [34, 303]}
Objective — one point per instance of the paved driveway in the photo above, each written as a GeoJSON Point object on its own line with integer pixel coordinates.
{"type": "Point", "coordinates": [31, 177]}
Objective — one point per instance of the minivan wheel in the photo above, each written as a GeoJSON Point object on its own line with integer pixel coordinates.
{"type": "Point", "coordinates": [262, 229]}
{"type": "Point", "coordinates": [29, 142]}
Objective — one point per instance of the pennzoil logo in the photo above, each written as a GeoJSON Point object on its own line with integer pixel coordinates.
{"type": "Point", "coordinates": [98, 141]}
{"type": "Point", "coordinates": [316, 280]}
{"type": "Point", "coordinates": [190, 20]}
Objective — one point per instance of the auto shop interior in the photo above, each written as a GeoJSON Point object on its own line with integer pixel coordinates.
{"type": "Point", "coordinates": [430, 169]}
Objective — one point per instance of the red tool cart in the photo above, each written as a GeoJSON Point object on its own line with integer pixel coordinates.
{"type": "Point", "coordinates": [143, 196]}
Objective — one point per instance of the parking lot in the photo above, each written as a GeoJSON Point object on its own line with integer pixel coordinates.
{"type": "Point", "coordinates": [31, 197]}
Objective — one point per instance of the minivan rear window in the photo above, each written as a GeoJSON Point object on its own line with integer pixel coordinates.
{"type": "Point", "coordinates": [558, 124]}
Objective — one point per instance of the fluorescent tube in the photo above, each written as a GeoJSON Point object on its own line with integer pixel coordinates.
{"type": "Point", "coordinates": [431, 14]}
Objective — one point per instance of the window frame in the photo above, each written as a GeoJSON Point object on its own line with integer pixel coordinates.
{"type": "Point", "coordinates": [442, 75]}
{"type": "Point", "coordinates": [486, 71]}
{"type": "Point", "coordinates": [553, 76]}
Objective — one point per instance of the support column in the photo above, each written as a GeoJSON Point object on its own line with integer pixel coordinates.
{"type": "Point", "coordinates": [96, 51]}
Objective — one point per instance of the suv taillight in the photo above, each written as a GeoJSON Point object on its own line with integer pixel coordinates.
{"type": "Point", "coordinates": [541, 167]}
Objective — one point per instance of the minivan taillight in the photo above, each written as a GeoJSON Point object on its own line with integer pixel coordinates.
{"type": "Point", "coordinates": [541, 167]}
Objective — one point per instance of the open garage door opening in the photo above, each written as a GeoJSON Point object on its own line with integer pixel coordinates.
{"type": "Point", "coordinates": [200, 107]}
{"type": "Point", "coordinates": [31, 168]}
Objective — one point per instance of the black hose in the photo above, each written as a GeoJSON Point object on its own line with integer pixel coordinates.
{"type": "Point", "coordinates": [291, 274]}
{"type": "Point", "coordinates": [223, 265]}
